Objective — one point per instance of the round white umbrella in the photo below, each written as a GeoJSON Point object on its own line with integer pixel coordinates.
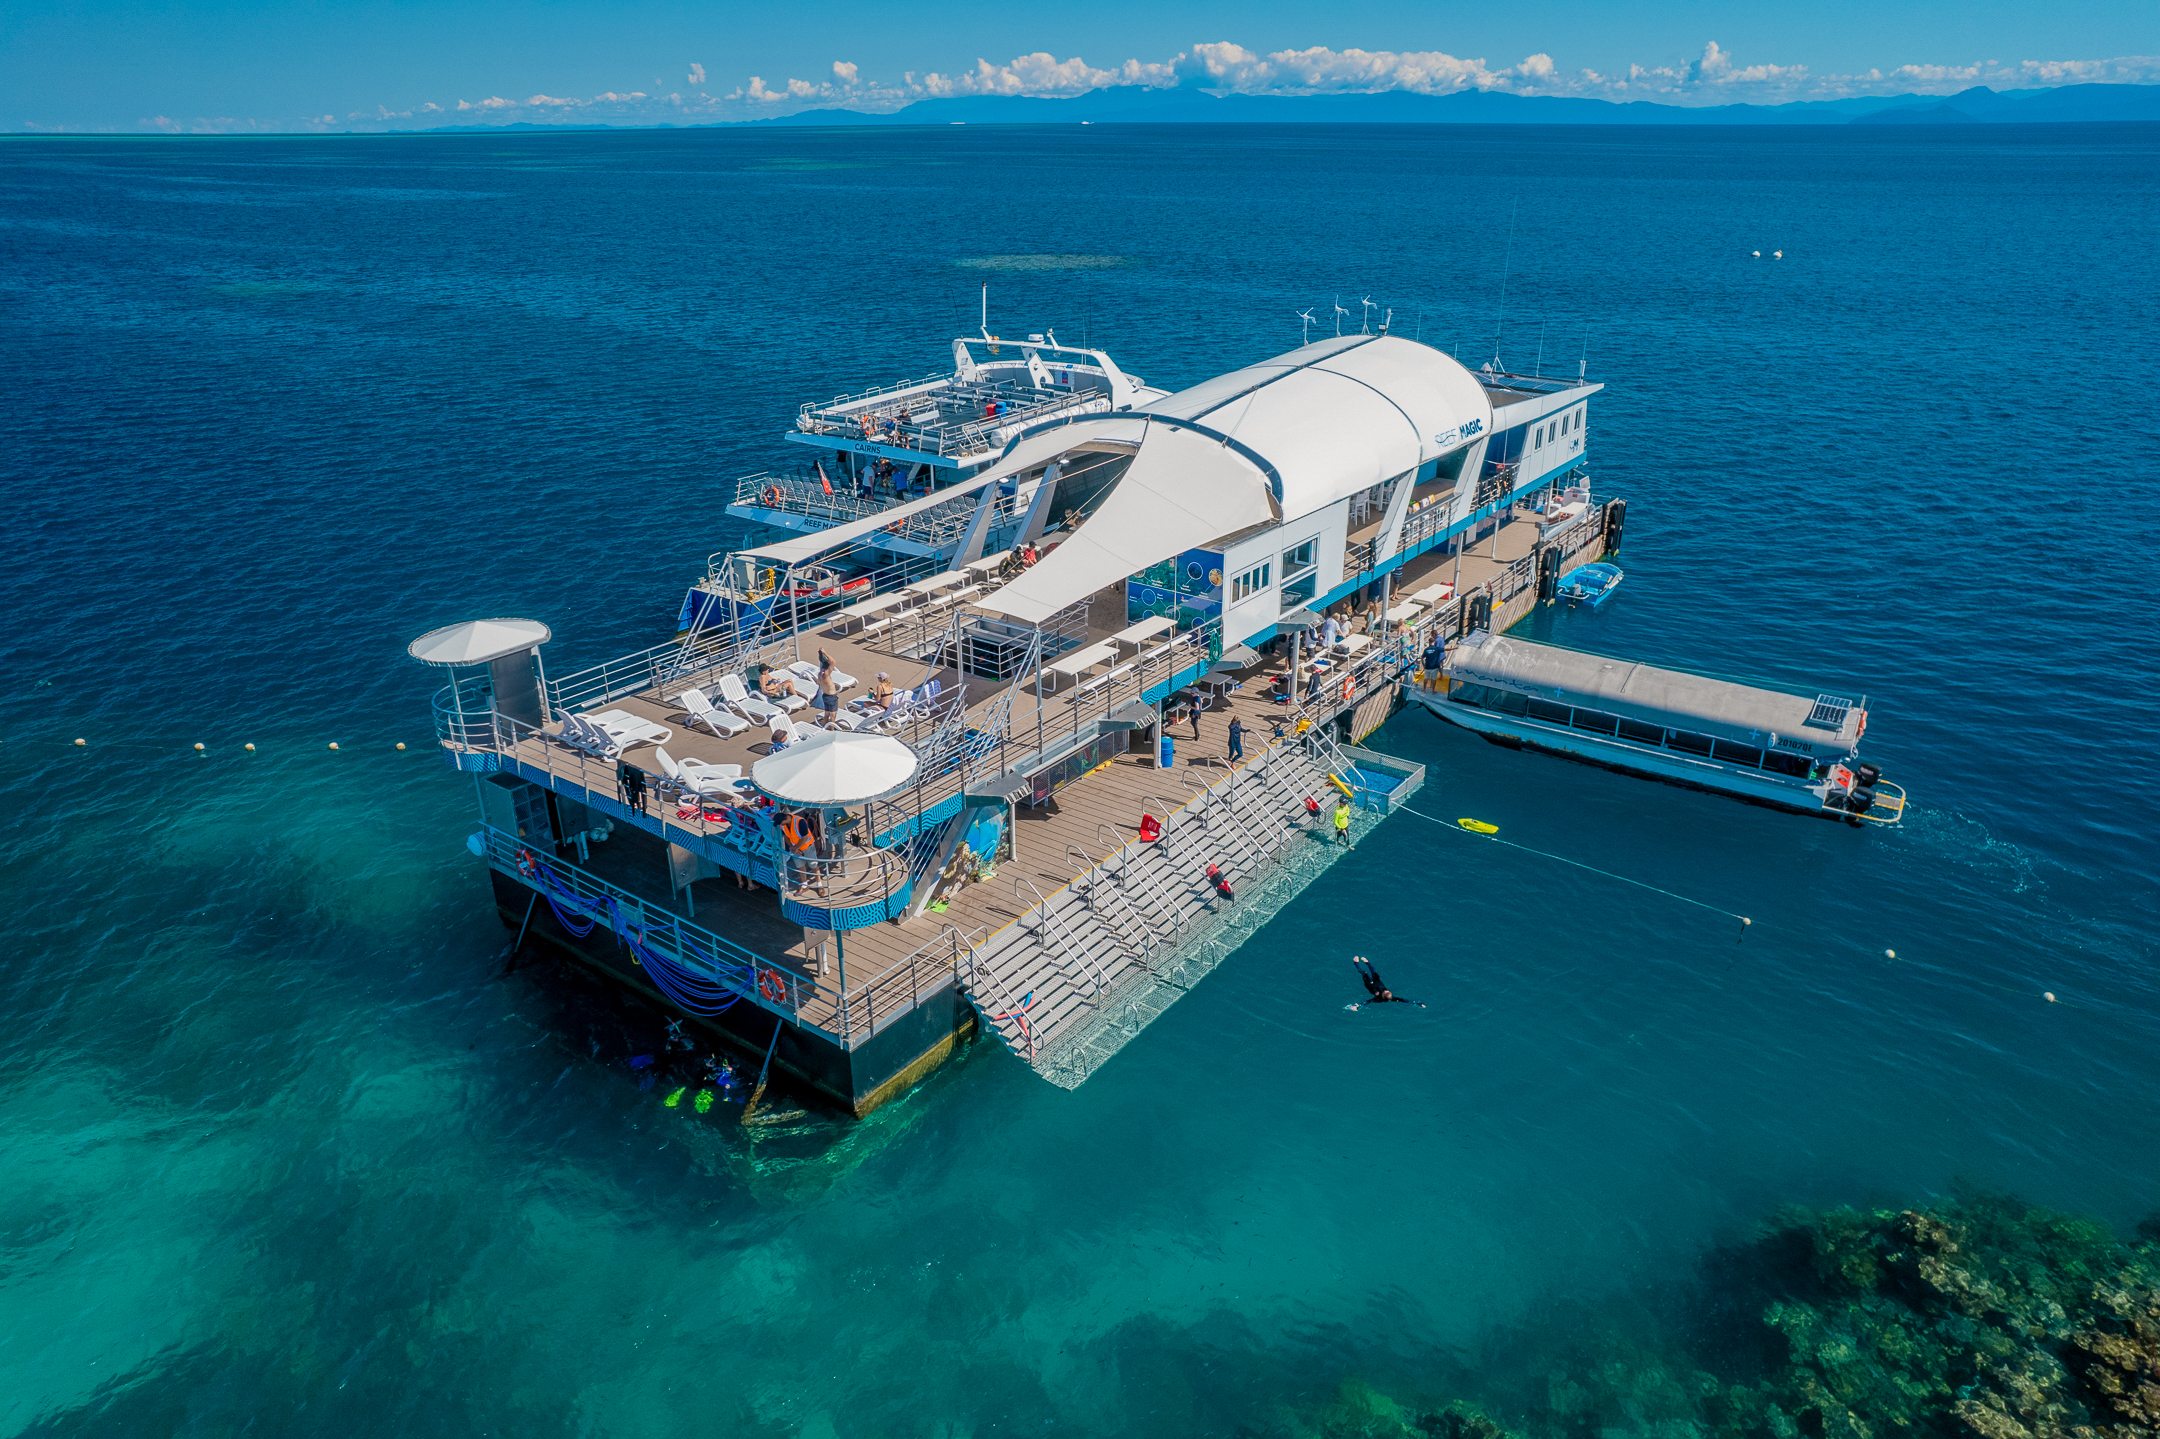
{"type": "Point", "coordinates": [835, 769]}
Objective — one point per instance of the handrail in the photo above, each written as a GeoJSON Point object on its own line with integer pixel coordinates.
{"type": "Point", "coordinates": [1046, 919]}
{"type": "Point", "coordinates": [981, 971]}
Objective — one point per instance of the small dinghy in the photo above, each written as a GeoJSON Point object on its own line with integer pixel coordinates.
{"type": "Point", "coordinates": [1591, 584]}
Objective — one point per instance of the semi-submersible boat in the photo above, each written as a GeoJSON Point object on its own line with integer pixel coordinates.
{"type": "Point", "coordinates": [1791, 750]}
{"type": "Point", "coordinates": [950, 749]}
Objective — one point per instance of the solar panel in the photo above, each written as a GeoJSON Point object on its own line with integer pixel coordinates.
{"type": "Point", "coordinates": [1830, 712]}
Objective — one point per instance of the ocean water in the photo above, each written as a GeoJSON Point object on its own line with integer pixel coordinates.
{"type": "Point", "coordinates": [282, 1149]}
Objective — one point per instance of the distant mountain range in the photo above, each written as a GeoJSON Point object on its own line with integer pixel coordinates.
{"type": "Point", "coordinates": [1133, 105]}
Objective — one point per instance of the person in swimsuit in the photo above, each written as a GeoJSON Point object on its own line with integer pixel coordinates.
{"type": "Point", "coordinates": [1375, 987]}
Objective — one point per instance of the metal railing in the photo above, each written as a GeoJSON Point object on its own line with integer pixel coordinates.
{"type": "Point", "coordinates": [842, 881]}
{"type": "Point", "coordinates": [465, 715]}
{"type": "Point", "coordinates": [1052, 938]}
{"type": "Point", "coordinates": [746, 974]}
{"type": "Point", "coordinates": [867, 1007]}
{"type": "Point", "coordinates": [954, 433]}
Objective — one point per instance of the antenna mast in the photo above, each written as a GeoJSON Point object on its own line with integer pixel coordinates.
{"type": "Point", "coordinates": [986, 309]}
{"type": "Point", "coordinates": [1507, 264]}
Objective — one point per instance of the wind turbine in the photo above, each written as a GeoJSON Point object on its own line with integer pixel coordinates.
{"type": "Point", "coordinates": [1365, 322]}
{"type": "Point", "coordinates": [1339, 313]}
{"type": "Point", "coordinates": [1307, 316]}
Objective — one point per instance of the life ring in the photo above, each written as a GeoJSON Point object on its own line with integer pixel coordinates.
{"type": "Point", "coordinates": [525, 863]}
{"type": "Point", "coordinates": [771, 495]}
{"type": "Point", "coordinates": [1349, 686]}
{"type": "Point", "coordinates": [773, 985]}
{"type": "Point", "coordinates": [1862, 733]}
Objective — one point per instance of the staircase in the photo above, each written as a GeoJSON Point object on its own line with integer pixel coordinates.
{"type": "Point", "coordinates": [1084, 970]}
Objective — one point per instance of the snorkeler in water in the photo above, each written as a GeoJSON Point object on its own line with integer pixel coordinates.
{"type": "Point", "coordinates": [1376, 987]}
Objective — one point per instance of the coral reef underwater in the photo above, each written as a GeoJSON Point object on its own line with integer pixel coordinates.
{"type": "Point", "coordinates": [1979, 1318]}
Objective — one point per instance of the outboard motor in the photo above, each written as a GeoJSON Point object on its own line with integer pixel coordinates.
{"type": "Point", "coordinates": [1860, 801]}
{"type": "Point", "coordinates": [1867, 774]}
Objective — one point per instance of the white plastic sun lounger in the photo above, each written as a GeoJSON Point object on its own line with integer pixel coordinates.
{"type": "Point", "coordinates": [701, 779]}
{"type": "Point", "coordinates": [739, 698]}
{"type": "Point", "coordinates": [580, 733]}
{"type": "Point", "coordinates": [629, 729]}
{"type": "Point", "coordinates": [806, 671]}
{"type": "Point", "coordinates": [702, 711]}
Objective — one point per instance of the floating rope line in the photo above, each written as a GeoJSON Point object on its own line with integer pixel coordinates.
{"type": "Point", "coordinates": [1491, 836]}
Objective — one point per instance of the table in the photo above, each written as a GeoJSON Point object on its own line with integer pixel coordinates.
{"type": "Point", "coordinates": [1079, 662]}
{"type": "Point", "coordinates": [1135, 637]}
{"type": "Point", "coordinates": [865, 610]}
{"type": "Point", "coordinates": [933, 584]}
{"type": "Point", "coordinates": [1403, 613]}
{"type": "Point", "coordinates": [1435, 594]}
{"type": "Point", "coordinates": [1354, 644]}
{"type": "Point", "coordinates": [984, 568]}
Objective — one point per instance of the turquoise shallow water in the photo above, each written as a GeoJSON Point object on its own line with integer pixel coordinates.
{"type": "Point", "coordinates": [281, 1150]}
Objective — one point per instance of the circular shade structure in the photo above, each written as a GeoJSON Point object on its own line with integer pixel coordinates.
{"type": "Point", "coordinates": [476, 642]}
{"type": "Point", "coordinates": [835, 769]}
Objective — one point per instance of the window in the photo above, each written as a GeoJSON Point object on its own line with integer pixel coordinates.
{"type": "Point", "coordinates": [1688, 743]}
{"type": "Point", "coordinates": [1469, 694]}
{"type": "Point", "coordinates": [1296, 561]}
{"type": "Point", "coordinates": [1641, 733]}
{"type": "Point", "coordinates": [1547, 710]}
{"type": "Point", "coordinates": [1797, 765]}
{"type": "Point", "coordinates": [1740, 754]}
{"type": "Point", "coordinates": [1252, 582]}
{"type": "Point", "coordinates": [1595, 722]}
{"type": "Point", "coordinates": [1509, 702]}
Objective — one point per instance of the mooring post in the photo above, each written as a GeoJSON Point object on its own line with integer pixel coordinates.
{"type": "Point", "coordinates": [757, 1091]}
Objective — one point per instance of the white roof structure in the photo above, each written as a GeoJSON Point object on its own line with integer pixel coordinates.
{"type": "Point", "coordinates": [835, 768]}
{"type": "Point", "coordinates": [475, 642]}
{"type": "Point", "coordinates": [1271, 442]}
{"type": "Point", "coordinates": [1340, 414]}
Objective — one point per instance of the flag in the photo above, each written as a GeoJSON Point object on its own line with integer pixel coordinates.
{"type": "Point", "coordinates": [821, 476]}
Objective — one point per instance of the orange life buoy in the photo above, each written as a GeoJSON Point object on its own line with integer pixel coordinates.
{"type": "Point", "coordinates": [773, 985]}
{"type": "Point", "coordinates": [1349, 686]}
{"type": "Point", "coordinates": [772, 494]}
{"type": "Point", "coordinates": [525, 862]}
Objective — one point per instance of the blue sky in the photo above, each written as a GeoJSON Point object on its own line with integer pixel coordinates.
{"type": "Point", "coordinates": [342, 64]}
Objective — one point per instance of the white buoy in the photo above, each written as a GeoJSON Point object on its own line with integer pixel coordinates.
{"type": "Point", "coordinates": [81, 743]}
{"type": "Point", "coordinates": [1777, 254]}
{"type": "Point", "coordinates": [1756, 253]}
{"type": "Point", "coordinates": [249, 746]}
{"type": "Point", "coordinates": [1745, 921]}
{"type": "Point", "coordinates": [333, 744]}
{"type": "Point", "coordinates": [1889, 954]}
{"type": "Point", "coordinates": [198, 747]}
{"type": "Point", "coordinates": [401, 746]}
{"type": "Point", "coordinates": [2048, 995]}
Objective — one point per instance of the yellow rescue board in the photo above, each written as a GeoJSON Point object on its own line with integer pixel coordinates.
{"type": "Point", "coordinates": [1336, 780]}
{"type": "Point", "coordinates": [1478, 826]}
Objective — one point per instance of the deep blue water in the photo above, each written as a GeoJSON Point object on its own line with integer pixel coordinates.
{"type": "Point", "coordinates": [280, 1150]}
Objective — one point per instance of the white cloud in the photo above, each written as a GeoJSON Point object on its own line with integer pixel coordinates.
{"type": "Point", "coordinates": [1713, 76]}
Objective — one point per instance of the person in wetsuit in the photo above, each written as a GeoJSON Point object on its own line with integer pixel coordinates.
{"type": "Point", "coordinates": [1375, 987]}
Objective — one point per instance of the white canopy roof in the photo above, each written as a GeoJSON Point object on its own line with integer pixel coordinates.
{"type": "Point", "coordinates": [1267, 443]}
{"type": "Point", "coordinates": [1340, 414]}
{"type": "Point", "coordinates": [1185, 488]}
{"type": "Point", "coordinates": [475, 642]}
{"type": "Point", "coordinates": [835, 768]}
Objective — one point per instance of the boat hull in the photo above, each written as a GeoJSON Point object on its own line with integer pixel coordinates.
{"type": "Point", "coordinates": [1618, 754]}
